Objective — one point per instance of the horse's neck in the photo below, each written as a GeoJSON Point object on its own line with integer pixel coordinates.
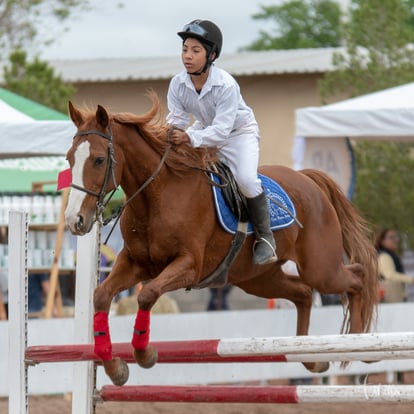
{"type": "Point", "coordinates": [141, 167]}
{"type": "Point", "coordinates": [147, 180]}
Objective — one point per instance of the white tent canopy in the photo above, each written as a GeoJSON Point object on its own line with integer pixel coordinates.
{"type": "Point", "coordinates": [387, 114]}
{"type": "Point", "coordinates": [28, 128]}
{"type": "Point", "coordinates": [34, 138]}
{"type": "Point", "coordinates": [322, 133]}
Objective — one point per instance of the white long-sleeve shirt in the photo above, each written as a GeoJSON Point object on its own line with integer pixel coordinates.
{"type": "Point", "coordinates": [219, 110]}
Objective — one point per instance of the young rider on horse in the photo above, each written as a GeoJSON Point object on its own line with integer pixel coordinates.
{"type": "Point", "coordinates": [222, 119]}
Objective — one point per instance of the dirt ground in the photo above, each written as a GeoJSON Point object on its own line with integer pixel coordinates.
{"type": "Point", "coordinates": [58, 405]}
{"type": "Point", "coordinates": [61, 404]}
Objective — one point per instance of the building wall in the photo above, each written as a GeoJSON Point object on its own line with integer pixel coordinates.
{"type": "Point", "coordinates": [273, 98]}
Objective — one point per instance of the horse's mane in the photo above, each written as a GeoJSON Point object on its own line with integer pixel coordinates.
{"type": "Point", "coordinates": [151, 126]}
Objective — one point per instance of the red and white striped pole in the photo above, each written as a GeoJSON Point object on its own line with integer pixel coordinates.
{"type": "Point", "coordinates": [282, 394]}
{"type": "Point", "coordinates": [351, 347]}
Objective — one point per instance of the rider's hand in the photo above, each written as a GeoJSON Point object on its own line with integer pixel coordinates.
{"type": "Point", "coordinates": [179, 137]}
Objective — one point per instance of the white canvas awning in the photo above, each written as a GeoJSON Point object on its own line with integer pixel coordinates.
{"type": "Point", "coordinates": [387, 114]}
{"type": "Point", "coordinates": [28, 128]}
{"type": "Point", "coordinates": [322, 134]}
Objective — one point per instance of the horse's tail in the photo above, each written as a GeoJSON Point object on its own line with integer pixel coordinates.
{"type": "Point", "coordinates": [356, 241]}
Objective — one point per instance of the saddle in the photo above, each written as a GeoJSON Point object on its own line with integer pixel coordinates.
{"type": "Point", "coordinates": [232, 196]}
{"type": "Point", "coordinates": [232, 214]}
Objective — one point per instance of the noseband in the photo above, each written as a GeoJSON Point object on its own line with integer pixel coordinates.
{"type": "Point", "coordinates": [101, 203]}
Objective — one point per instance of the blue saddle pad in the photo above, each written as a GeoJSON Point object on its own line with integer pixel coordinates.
{"type": "Point", "coordinates": [279, 217]}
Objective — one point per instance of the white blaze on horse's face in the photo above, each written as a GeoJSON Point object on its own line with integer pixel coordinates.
{"type": "Point", "coordinates": [76, 197]}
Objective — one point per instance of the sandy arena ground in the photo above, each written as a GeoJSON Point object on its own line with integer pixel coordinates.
{"type": "Point", "coordinates": [58, 405]}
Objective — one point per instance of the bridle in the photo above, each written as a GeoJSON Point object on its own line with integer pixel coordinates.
{"type": "Point", "coordinates": [110, 172]}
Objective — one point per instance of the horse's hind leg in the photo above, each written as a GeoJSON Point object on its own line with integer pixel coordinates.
{"type": "Point", "coordinates": [276, 284]}
{"type": "Point", "coordinates": [354, 293]}
{"type": "Point", "coordinates": [302, 296]}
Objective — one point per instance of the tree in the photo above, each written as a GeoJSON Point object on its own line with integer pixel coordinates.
{"type": "Point", "coordinates": [378, 53]}
{"type": "Point", "coordinates": [385, 183]}
{"type": "Point", "coordinates": [20, 21]}
{"type": "Point", "coordinates": [378, 38]}
{"type": "Point", "coordinates": [37, 80]}
{"type": "Point", "coordinates": [300, 24]}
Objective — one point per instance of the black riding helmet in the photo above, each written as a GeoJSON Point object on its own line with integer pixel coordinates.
{"type": "Point", "coordinates": [208, 34]}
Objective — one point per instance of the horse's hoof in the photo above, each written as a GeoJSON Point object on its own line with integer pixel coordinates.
{"type": "Point", "coordinates": [146, 358]}
{"type": "Point", "coordinates": [317, 367]}
{"type": "Point", "coordinates": [117, 370]}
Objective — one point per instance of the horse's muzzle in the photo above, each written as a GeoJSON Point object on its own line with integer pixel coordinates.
{"type": "Point", "coordinates": [79, 226]}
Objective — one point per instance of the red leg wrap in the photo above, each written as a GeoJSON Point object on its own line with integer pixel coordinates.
{"type": "Point", "coordinates": [141, 334]}
{"type": "Point", "coordinates": [102, 339]}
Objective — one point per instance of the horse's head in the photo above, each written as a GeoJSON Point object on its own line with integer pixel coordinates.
{"type": "Point", "coordinates": [91, 159]}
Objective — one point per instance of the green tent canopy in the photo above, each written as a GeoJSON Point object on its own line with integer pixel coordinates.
{"type": "Point", "coordinates": [18, 174]}
{"type": "Point", "coordinates": [22, 106]}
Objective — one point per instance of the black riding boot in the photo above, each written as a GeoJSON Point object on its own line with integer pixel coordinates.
{"type": "Point", "coordinates": [264, 248]}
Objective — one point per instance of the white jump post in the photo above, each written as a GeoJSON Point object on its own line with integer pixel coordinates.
{"type": "Point", "coordinates": [87, 268]}
{"type": "Point", "coordinates": [18, 228]}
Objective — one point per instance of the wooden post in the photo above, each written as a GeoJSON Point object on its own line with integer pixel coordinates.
{"type": "Point", "coordinates": [54, 298]}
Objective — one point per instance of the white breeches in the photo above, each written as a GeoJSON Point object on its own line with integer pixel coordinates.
{"type": "Point", "coordinates": [241, 153]}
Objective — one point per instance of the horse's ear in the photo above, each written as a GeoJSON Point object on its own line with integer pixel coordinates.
{"type": "Point", "coordinates": [75, 114]}
{"type": "Point", "coordinates": [102, 116]}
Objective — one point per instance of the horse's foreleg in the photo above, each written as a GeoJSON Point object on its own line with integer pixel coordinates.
{"type": "Point", "coordinates": [179, 274]}
{"type": "Point", "coordinates": [119, 279]}
{"type": "Point", "coordinates": [115, 368]}
{"type": "Point", "coordinates": [145, 354]}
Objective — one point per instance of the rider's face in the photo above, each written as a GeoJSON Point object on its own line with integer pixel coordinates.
{"type": "Point", "coordinates": [193, 55]}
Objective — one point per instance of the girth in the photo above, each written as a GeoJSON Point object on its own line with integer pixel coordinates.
{"type": "Point", "coordinates": [237, 203]}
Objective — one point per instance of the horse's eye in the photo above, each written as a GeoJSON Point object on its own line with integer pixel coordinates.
{"type": "Point", "coordinates": [99, 161]}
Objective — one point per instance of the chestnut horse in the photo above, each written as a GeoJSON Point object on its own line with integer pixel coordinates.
{"type": "Point", "coordinates": [172, 239]}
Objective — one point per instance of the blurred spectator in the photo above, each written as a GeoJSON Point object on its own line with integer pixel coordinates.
{"type": "Point", "coordinates": [4, 311]}
{"type": "Point", "coordinates": [129, 304]}
{"type": "Point", "coordinates": [38, 287]}
{"type": "Point", "coordinates": [393, 279]}
{"type": "Point", "coordinates": [108, 257]}
{"type": "Point", "coordinates": [219, 298]}
{"type": "Point", "coordinates": [330, 299]}
{"type": "Point", "coordinates": [391, 269]}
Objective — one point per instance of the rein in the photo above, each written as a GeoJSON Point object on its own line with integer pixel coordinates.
{"type": "Point", "coordinates": [118, 213]}
{"type": "Point", "coordinates": [148, 181]}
